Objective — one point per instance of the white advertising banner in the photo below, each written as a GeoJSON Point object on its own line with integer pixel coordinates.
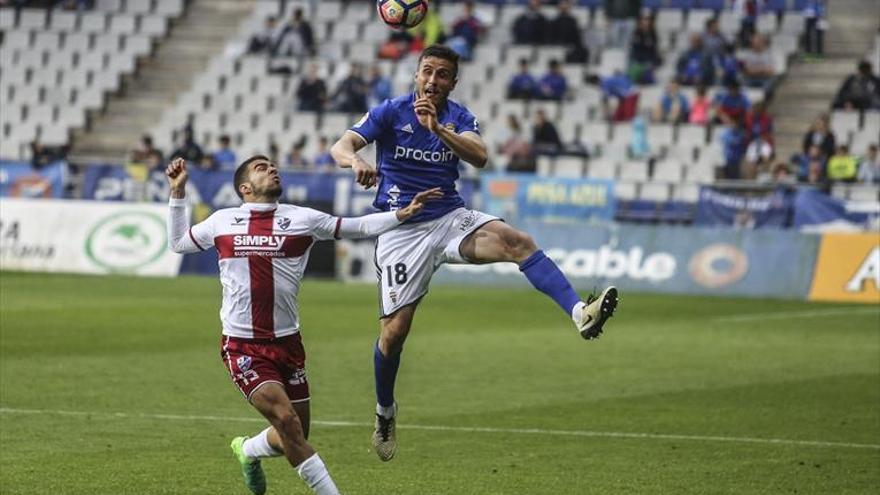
{"type": "Point", "coordinates": [85, 237]}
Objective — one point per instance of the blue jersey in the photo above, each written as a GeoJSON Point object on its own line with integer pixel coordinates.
{"type": "Point", "coordinates": [410, 158]}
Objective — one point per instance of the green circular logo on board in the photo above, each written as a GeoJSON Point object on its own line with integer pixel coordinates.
{"type": "Point", "coordinates": [124, 242]}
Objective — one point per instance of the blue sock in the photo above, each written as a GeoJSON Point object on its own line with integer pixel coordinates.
{"type": "Point", "coordinates": [543, 273]}
{"type": "Point", "coordinates": [385, 369]}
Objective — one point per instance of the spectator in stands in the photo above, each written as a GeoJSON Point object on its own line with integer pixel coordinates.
{"type": "Point", "coordinates": [351, 95]}
{"type": "Point", "coordinates": [146, 152]}
{"type": "Point", "coordinates": [731, 105]}
{"type": "Point", "coordinates": [673, 106]}
{"type": "Point", "coordinates": [515, 148]}
{"type": "Point", "coordinates": [860, 91]}
{"type": "Point", "coordinates": [714, 42]}
{"type": "Point", "coordinates": [728, 65]}
{"type": "Point", "coordinates": [78, 5]}
{"type": "Point", "coordinates": [639, 148]}
{"type": "Point", "coordinates": [188, 149]}
{"type": "Point", "coordinates": [759, 156]}
{"type": "Point", "coordinates": [297, 39]}
{"type": "Point", "coordinates": [816, 173]}
{"type": "Point", "coordinates": [759, 123]}
{"type": "Point", "coordinates": [399, 43]}
{"type": "Point", "coordinates": [644, 52]}
{"type": "Point", "coordinates": [733, 144]}
{"type": "Point", "coordinates": [466, 32]}
{"type": "Point", "coordinates": [312, 91]}
{"type": "Point", "coordinates": [545, 138]}
{"type": "Point", "coordinates": [814, 27]}
{"type": "Point", "coordinates": [295, 158]}
{"type": "Point", "coordinates": [748, 11]}
{"type": "Point", "coordinates": [693, 66]}
{"type": "Point", "coordinates": [701, 107]}
{"type": "Point", "coordinates": [781, 174]}
{"type": "Point", "coordinates": [812, 159]}
{"type": "Point", "coordinates": [617, 87]}
{"type": "Point", "coordinates": [530, 28]}
{"type": "Point", "coordinates": [224, 158]}
{"type": "Point", "coordinates": [380, 86]}
{"type": "Point", "coordinates": [428, 32]}
{"type": "Point", "coordinates": [842, 166]}
{"type": "Point", "coordinates": [553, 85]}
{"type": "Point", "coordinates": [869, 168]}
{"type": "Point", "coordinates": [819, 135]}
{"type": "Point", "coordinates": [266, 40]}
{"type": "Point", "coordinates": [40, 155]}
{"type": "Point", "coordinates": [564, 29]}
{"type": "Point", "coordinates": [622, 15]}
{"type": "Point", "coordinates": [323, 160]}
{"type": "Point", "coordinates": [758, 68]}
{"type": "Point", "coordinates": [522, 85]}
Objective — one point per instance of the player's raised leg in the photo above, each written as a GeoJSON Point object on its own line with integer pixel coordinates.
{"type": "Point", "coordinates": [496, 241]}
{"type": "Point", "coordinates": [386, 361]}
{"type": "Point", "coordinates": [288, 435]}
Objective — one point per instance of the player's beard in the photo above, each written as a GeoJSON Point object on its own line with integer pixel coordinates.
{"type": "Point", "coordinates": [270, 193]}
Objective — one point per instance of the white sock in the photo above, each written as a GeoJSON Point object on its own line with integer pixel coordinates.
{"type": "Point", "coordinates": [258, 446]}
{"type": "Point", "coordinates": [315, 474]}
{"type": "Point", "coordinates": [387, 412]}
{"type": "Point", "coordinates": [577, 310]}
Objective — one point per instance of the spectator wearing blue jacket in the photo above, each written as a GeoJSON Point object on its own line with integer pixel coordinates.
{"type": "Point", "coordinates": [673, 106]}
{"type": "Point", "coordinates": [814, 27]}
{"type": "Point", "coordinates": [694, 66]}
{"type": "Point", "coordinates": [522, 85]}
{"type": "Point", "coordinates": [553, 85]}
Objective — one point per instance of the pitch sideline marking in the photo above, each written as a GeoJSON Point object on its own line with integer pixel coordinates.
{"type": "Point", "coordinates": [797, 314]}
{"type": "Point", "coordinates": [464, 429]}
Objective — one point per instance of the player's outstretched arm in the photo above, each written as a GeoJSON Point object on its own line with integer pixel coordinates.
{"type": "Point", "coordinates": [345, 153]}
{"type": "Point", "coordinates": [379, 223]}
{"type": "Point", "coordinates": [181, 238]}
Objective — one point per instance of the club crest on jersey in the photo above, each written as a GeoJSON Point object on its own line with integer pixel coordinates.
{"type": "Point", "coordinates": [243, 363]}
{"type": "Point", "coordinates": [283, 223]}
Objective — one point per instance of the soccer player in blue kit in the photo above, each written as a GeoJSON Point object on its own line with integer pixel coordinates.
{"type": "Point", "coordinates": [420, 138]}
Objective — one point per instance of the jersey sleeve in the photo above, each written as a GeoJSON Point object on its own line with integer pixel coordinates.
{"type": "Point", "coordinates": [183, 238]}
{"type": "Point", "coordinates": [373, 123]}
{"type": "Point", "coordinates": [467, 122]}
{"type": "Point", "coordinates": [324, 226]}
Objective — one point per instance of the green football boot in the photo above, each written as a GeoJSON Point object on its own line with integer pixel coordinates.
{"type": "Point", "coordinates": [254, 479]}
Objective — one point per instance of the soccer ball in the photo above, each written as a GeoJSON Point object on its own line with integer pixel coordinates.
{"type": "Point", "coordinates": [401, 14]}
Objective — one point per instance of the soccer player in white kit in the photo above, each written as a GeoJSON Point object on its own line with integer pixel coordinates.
{"type": "Point", "coordinates": [263, 248]}
{"type": "Point", "coordinates": [420, 139]}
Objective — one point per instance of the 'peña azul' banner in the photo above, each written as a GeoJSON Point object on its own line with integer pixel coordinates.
{"type": "Point", "coordinates": [687, 260]}
{"type": "Point", "coordinates": [85, 237]}
{"type": "Point", "coordinates": [529, 197]}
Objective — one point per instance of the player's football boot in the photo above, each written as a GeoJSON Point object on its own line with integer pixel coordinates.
{"type": "Point", "coordinates": [385, 438]}
{"type": "Point", "coordinates": [254, 478]}
{"type": "Point", "coordinates": [596, 312]}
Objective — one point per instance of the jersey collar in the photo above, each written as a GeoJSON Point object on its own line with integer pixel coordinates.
{"type": "Point", "coordinates": [259, 206]}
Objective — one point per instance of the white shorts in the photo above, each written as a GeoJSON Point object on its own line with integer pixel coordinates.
{"type": "Point", "coordinates": [407, 256]}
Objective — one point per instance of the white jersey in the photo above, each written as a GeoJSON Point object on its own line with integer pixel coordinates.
{"type": "Point", "coordinates": [263, 250]}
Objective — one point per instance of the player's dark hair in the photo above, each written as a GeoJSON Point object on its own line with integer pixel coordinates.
{"type": "Point", "coordinates": [242, 172]}
{"type": "Point", "coordinates": [442, 52]}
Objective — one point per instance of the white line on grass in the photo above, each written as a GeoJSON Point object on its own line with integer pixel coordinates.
{"type": "Point", "coordinates": [463, 429]}
{"type": "Point", "coordinates": [781, 315]}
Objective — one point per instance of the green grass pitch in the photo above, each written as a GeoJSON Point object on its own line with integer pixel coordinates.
{"type": "Point", "coordinates": [114, 386]}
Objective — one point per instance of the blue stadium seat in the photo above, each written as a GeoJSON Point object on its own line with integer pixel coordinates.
{"type": "Point", "coordinates": [652, 4]}
{"type": "Point", "coordinates": [712, 4]}
{"type": "Point", "coordinates": [682, 4]}
{"type": "Point", "coordinates": [590, 3]}
{"type": "Point", "coordinates": [777, 5]}
{"type": "Point", "coordinates": [799, 4]}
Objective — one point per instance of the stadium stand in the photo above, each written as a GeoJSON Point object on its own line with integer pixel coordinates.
{"type": "Point", "coordinates": [252, 97]}
{"type": "Point", "coordinates": [58, 65]}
